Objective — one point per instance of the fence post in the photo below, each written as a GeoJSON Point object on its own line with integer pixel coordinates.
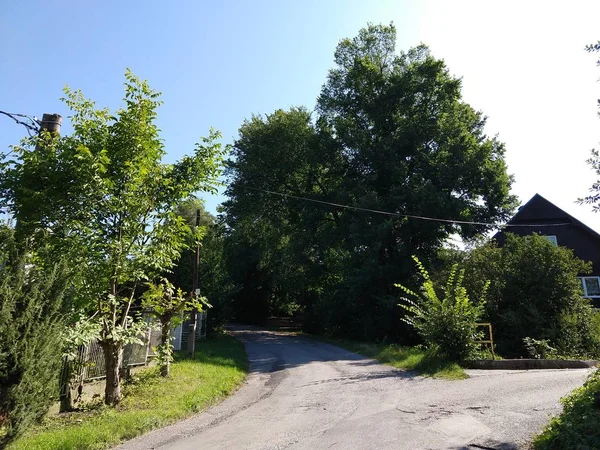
{"type": "Point", "coordinates": [148, 344]}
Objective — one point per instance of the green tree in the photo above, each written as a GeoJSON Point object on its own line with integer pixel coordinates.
{"type": "Point", "coordinates": [390, 133]}
{"type": "Point", "coordinates": [534, 292]}
{"type": "Point", "coordinates": [33, 307]}
{"type": "Point", "coordinates": [182, 273]}
{"type": "Point", "coordinates": [103, 198]}
{"type": "Point", "coordinates": [166, 304]}
{"type": "Point", "coordinates": [270, 236]}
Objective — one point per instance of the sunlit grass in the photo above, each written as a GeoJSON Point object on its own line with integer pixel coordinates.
{"type": "Point", "coordinates": [408, 358]}
{"type": "Point", "coordinates": [150, 401]}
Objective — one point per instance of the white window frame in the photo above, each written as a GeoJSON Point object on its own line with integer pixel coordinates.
{"type": "Point", "coordinates": [585, 294]}
{"type": "Point", "coordinates": [552, 238]}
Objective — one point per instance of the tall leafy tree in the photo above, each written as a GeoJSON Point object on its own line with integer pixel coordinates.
{"type": "Point", "coordinates": [390, 133]}
{"type": "Point", "coordinates": [103, 198]}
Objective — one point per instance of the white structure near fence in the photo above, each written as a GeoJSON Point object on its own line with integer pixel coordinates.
{"type": "Point", "coordinates": [180, 332]}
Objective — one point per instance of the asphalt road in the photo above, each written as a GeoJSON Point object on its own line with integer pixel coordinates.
{"type": "Point", "coordinates": [303, 394]}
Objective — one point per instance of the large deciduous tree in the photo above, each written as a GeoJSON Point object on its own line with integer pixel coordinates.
{"type": "Point", "coordinates": [103, 198]}
{"type": "Point", "coordinates": [390, 133]}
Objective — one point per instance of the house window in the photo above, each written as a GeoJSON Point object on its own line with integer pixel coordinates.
{"type": "Point", "coordinates": [591, 286]}
{"type": "Point", "coordinates": [552, 239]}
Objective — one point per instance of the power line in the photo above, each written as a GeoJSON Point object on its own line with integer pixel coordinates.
{"type": "Point", "coordinates": [32, 124]}
{"type": "Point", "coordinates": [409, 216]}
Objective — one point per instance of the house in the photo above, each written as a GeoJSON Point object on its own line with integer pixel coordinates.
{"type": "Point", "coordinates": [545, 218]}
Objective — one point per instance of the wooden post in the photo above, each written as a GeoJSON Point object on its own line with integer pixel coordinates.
{"type": "Point", "coordinates": [191, 347]}
{"type": "Point", "coordinates": [51, 123]}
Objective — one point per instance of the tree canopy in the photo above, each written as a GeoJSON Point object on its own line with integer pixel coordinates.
{"type": "Point", "coordinates": [390, 133]}
{"type": "Point", "coordinates": [103, 199]}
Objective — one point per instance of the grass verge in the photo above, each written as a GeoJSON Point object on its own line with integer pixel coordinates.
{"type": "Point", "coordinates": [577, 426]}
{"type": "Point", "coordinates": [409, 358]}
{"type": "Point", "coordinates": [220, 365]}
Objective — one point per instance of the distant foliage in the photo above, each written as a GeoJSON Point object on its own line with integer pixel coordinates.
{"type": "Point", "coordinates": [446, 323]}
{"type": "Point", "coordinates": [31, 344]}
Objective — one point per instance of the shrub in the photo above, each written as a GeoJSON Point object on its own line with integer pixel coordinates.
{"type": "Point", "coordinates": [446, 324]}
{"type": "Point", "coordinates": [538, 349]}
{"type": "Point", "coordinates": [577, 426]}
{"type": "Point", "coordinates": [534, 292]}
{"type": "Point", "coordinates": [31, 328]}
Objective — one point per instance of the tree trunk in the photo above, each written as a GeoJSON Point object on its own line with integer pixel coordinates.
{"type": "Point", "coordinates": [113, 357]}
{"type": "Point", "coordinates": [165, 339]}
{"type": "Point", "coordinates": [66, 400]}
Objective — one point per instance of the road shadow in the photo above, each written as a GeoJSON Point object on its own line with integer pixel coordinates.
{"type": "Point", "coordinates": [489, 445]}
{"type": "Point", "coordinates": [273, 351]}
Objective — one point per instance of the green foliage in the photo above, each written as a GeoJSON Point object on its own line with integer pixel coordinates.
{"type": "Point", "coordinates": [103, 199]}
{"type": "Point", "coordinates": [167, 304]}
{"type": "Point", "coordinates": [538, 349]}
{"type": "Point", "coordinates": [391, 133]}
{"type": "Point", "coordinates": [447, 324]}
{"type": "Point", "coordinates": [577, 426]}
{"type": "Point", "coordinates": [534, 293]}
{"type": "Point", "coordinates": [82, 332]}
{"type": "Point", "coordinates": [32, 323]}
{"type": "Point", "coordinates": [163, 300]}
{"type": "Point", "coordinates": [150, 401]}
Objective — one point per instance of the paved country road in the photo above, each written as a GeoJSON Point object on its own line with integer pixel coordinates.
{"type": "Point", "coordinates": [304, 394]}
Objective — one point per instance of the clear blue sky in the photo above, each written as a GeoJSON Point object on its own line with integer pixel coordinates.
{"type": "Point", "coordinates": [218, 62]}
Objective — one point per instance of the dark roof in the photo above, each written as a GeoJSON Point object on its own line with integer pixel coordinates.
{"type": "Point", "coordinates": [538, 210]}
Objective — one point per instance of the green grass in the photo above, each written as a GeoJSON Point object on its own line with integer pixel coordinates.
{"type": "Point", "coordinates": [408, 358]}
{"type": "Point", "coordinates": [149, 401]}
{"type": "Point", "coordinates": [577, 427]}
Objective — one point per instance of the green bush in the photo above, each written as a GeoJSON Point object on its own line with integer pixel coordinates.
{"type": "Point", "coordinates": [31, 326]}
{"type": "Point", "coordinates": [577, 427]}
{"type": "Point", "coordinates": [538, 349]}
{"type": "Point", "coordinates": [446, 324]}
{"type": "Point", "coordinates": [534, 292]}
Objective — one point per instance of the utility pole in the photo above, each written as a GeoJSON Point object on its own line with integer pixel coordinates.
{"type": "Point", "coordinates": [51, 123]}
{"type": "Point", "coordinates": [191, 347]}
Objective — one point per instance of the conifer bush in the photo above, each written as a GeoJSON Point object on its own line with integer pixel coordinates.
{"type": "Point", "coordinates": [32, 322]}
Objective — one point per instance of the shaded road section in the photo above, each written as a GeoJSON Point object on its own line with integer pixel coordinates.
{"type": "Point", "coordinates": [302, 394]}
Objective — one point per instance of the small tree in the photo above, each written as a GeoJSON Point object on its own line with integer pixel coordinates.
{"type": "Point", "coordinates": [104, 199]}
{"type": "Point", "coordinates": [446, 324]}
{"type": "Point", "coordinates": [167, 304]}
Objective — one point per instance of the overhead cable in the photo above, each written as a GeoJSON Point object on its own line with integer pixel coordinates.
{"type": "Point", "coordinates": [409, 216]}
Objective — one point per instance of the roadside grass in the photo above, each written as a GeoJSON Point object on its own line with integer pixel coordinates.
{"type": "Point", "coordinates": [577, 426]}
{"type": "Point", "coordinates": [408, 358]}
{"type": "Point", "coordinates": [149, 402]}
